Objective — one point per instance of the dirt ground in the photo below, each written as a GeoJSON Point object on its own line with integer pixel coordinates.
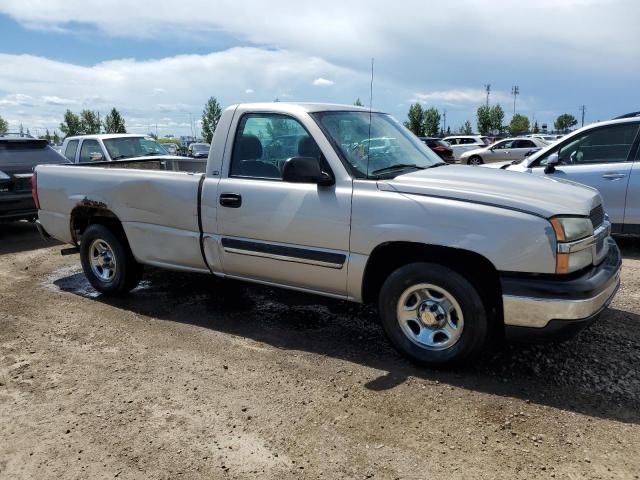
{"type": "Point", "coordinates": [191, 377]}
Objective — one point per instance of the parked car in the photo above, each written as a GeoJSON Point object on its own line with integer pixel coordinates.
{"type": "Point", "coordinates": [171, 148]}
{"type": "Point", "coordinates": [452, 255]}
{"type": "Point", "coordinates": [548, 138]}
{"type": "Point", "coordinates": [462, 143]}
{"type": "Point", "coordinates": [505, 150]}
{"type": "Point", "coordinates": [605, 156]}
{"type": "Point", "coordinates": [440, 147]}
{"type": "Point", "coordinates": [18, 157]}
{"type": "Point", "coordinates": [111, 147]}
{"type": "Point", "coordinates": [199, 150]}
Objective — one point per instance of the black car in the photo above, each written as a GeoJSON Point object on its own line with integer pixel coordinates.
{"type": "Point", "coordinates": [440, 147]}
{"type": "Point", "coordinates": [199, 150]}
{"type": "Point", "coordinates": [18, 157]}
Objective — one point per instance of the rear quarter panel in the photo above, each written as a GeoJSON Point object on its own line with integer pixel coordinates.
{"type": "Point", "coordinates": [158, 209]}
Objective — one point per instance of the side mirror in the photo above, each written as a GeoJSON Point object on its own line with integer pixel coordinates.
{"type": "Point", "coordinates": [305, 170]}
{"type": "Point", "coordinates": [96, 157]}
{"type": "Point", "coordinates": [552, 161]}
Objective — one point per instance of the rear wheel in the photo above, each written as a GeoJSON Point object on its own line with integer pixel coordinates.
{"type": "Point", "coordinates": [107, 261]}
{"type": "Point", "coordinates": [475, 160]}
{"type": "Point", "coordinates": [432, 314]}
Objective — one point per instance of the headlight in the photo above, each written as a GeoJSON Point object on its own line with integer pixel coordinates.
{"type": "Point", "coordinates": [570, 229]}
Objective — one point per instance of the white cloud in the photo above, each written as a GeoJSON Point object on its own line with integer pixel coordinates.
{"type": "Point", "coordinates": [173, 87]}
{"type": "Point", "coordinates": [460, 96]}
{"type": "Point", "coordinates": [249, 90]}
{"type": "Point", "coordinates": [322, 82]}
{"type": "Point", "coordinates": [55, 100]}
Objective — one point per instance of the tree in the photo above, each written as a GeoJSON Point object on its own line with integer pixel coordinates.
{"type": "Point", "coordinates": [358, 103]}
{"type": "Point", "coordinates": [56, 137]}
{"type": "Point", "coordinates": [448, 131]}
{"type": "Point", "coordinates": [466, 128]}
{"type": "Point", "coordinates": [564, 122]}
{"type": "Point", "coordinates": [536, 129]}
{"type": "Point", "coordinates": [71, 124]}
{"type": "Point", "coordinates": [114, 123]}
{"type": "Point", "coordinates": [47, 136]}
{"type": "Point", "coordinates": [210, 118]}
{"type": "Point", "coordinates": [21, 129]}
{"type": "Point", "coordinates": [415, 121]}
{"type": "Point", "coordinates": [496, 116]}
{"type": "Point", "coordinates": [484, 119]}
{"type": "Point", "coordinates": [519, 124]}
{"type": "Point", "coordinates": [4, 125]}
{"type": "Point", "coordinates": [431, 121]}
{"type": "Point", "coordinates": [89, 122]}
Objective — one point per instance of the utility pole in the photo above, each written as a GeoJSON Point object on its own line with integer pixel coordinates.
{"type": "Point", "coordinates": [444, 118]}
{"type": "Point", "coordinates": [582, 109]}
{"type": "Point", "coordinates": [515, 91]}
{"type": "Point", "coordinates": [487, 88]}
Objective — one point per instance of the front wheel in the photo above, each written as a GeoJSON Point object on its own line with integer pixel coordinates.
{"type": "Point", "coordinates": [475, 160]}
{"type": "Point", "coordinates": [107, 261]}
{"type": "Point", "coordinates": [433, 314]}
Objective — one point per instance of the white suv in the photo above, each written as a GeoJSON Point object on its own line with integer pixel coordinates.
{"type": "Point", "coordinates": [462, 143]}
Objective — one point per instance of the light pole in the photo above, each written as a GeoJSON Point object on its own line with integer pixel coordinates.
{"type": "Point", "coordinates": [487, 88]}
{"type": "Point", "coordinates": [515, 91]}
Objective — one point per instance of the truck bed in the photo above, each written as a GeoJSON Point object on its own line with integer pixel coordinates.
{"type": "Point", "coordinates": [155, 200]}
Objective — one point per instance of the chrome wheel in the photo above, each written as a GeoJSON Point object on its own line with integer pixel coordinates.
{"type": "Point", "coordinates": [102, 260]}
{"type": "Point", "coordinates": [430, 316]}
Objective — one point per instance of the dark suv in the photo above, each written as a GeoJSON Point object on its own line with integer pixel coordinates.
{"type": "Point", "coordinates": [440, 147]}
{"type": "Point", "coordinates": [18, 157]}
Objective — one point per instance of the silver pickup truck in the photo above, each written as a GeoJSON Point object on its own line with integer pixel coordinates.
{"type": "Point", "coordinates": [454, 256]}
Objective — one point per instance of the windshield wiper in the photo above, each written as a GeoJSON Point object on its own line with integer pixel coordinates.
{"type": "Point", "coordinates": [119, 157]}
{"type": "Point", "coordinates": [398, 166]}
{"type": "Point", "coordinates": [441, 164]}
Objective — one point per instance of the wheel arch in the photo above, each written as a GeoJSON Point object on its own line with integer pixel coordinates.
{"type": "Point", "coordinates": [476, 268]}
{"type": "Point", "coordinates": [89, 213]}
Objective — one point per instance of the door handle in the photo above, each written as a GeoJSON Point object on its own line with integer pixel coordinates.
{"type": "Point", "coordinates": [613, 176]}
{"type": "Point", "coordinates": [231, 200]}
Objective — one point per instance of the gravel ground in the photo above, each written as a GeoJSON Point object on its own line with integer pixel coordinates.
{"type": "Point", "coordinates": [191, 377]}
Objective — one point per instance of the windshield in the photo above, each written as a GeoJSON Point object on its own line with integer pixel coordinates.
{"type": "Point", "coordinates": [129, 147]}
{"type": "Point", "coordinates": [383, 148]}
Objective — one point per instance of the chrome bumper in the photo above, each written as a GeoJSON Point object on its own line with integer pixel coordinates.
{"type": "Point", "coordinates": [572, 300]}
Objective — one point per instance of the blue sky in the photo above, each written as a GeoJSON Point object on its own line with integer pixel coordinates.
{"type": "Point", "coordinates": [158, 62]}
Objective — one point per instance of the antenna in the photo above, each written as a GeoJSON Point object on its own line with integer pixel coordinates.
{"type": "Point", "coordinates": [370, 108]}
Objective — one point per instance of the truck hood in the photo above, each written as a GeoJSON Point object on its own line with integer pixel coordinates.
{"type": "Point", "coordinates": [541, 196]}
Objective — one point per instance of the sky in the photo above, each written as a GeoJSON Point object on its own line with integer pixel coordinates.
{"type": "Point", "coordinates": [159, 61]}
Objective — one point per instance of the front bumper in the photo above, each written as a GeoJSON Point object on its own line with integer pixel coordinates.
{"type": "Point", "coordinates": [554, 306]}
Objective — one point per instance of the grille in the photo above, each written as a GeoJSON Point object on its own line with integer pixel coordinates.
{"type": "Point", "coordinates": [597, 216]}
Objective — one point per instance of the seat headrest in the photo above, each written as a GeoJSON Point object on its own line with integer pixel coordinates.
{"type": "Point", "coordinates": [307, 147]}
{"type": "Point", "coordinates": [248, 147]}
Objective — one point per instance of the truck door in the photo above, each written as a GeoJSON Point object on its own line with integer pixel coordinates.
{"type": "Point", "coordinates": [598, 158]}
{"type": "Point", "coordinates": [294, 234]}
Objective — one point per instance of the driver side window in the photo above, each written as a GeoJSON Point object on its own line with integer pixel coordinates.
{"type": "Point", "coordinates": [602, 145]}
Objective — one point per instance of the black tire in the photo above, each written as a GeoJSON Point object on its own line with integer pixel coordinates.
{"type": "Point", "coordinates": [127, 273]}
{"type": "Point", "coordinates": [475, 160]}
{"type": "Point", "coordinates": [474, 329]}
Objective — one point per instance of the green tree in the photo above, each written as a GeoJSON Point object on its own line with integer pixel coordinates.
{"type": "Point", "coordinates": [56, 137]}
{"type": "Point", "coordinates": [71, 124]}
{"type": "Point", "coordinates": [448, 131]}
{"type": "Point", "coordinates": [415, 121]}
{"type": "Point", "coordinates": [483, 115]}
{"type": "Point", "coordinates": [21, 129]}
{"type": "Point", "coordinates": [114, 123]}
{"type": "Point", "coordinates": [497, 117]}
{"type": "Point", "coordinates": [519, 124]}
{"type": "Point", "coordinates": [47, 136]}
{"type": "Point", "coordinates": [358, 103]}
{"type": "Point", "coordinates": [536, 128]}
{"type": "Point", "coordinates": [4, 125]}
{"type": "Point", "coordinates": [466, 128]}
{"type": "Point", "coordinates": [431, 121]}
{"type": "Point", "coordinates": [89, 122]}
{"type": "Point", "coordinates": [210, 118]}
{"type": "Point", "coordinates": [564, 122]}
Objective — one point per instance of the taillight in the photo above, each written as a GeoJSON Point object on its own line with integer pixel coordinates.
{"type": "Point", "coordinates": [34, 190]}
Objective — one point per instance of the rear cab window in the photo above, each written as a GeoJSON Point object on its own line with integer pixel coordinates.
{"type": "Point", "coordinates": [28, 152]}
{"type": "Point", "coordinates": [70, 151]}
